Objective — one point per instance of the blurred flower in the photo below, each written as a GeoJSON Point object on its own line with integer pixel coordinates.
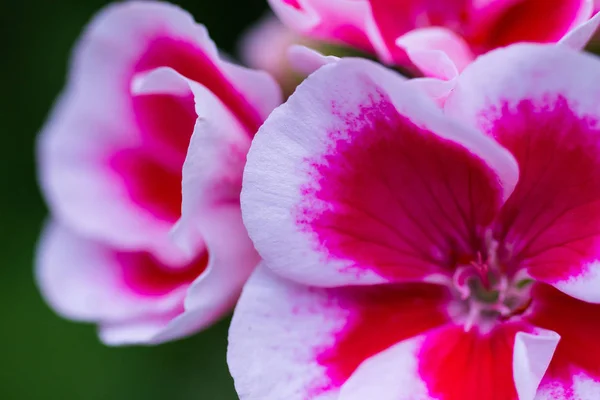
{"type": "Point", "coordinates": [460, 29]}
{"type": "Point", "coordinates": [418, 252]}
{"type": "Point", "coordinates": [134, 297]}
{"type": "Point", "coordinates": [146, 83]}
{"type": "Point", "coordinates": [265, 46]}
{"type": "Point", "coordinates": [271, 46]}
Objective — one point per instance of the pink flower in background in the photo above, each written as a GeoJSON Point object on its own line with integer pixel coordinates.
{"type": "Point", "coordinates": [271, 46]}
{"type": "Point", "coordinates": [145, 83]}
{"type": "Point", "coordinates": [461, 29]}
{"type": "Point", "coordinates": [265, 46]}
{"type": "Point", "coordinates": [418, 252]}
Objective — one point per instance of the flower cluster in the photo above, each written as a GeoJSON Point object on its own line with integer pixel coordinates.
{"type": "Point", "coordinates": [432, 235]}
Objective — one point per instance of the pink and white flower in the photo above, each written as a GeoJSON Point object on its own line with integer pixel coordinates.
{"type": "Point", "coordinates": [148, 103]}
{"type": "Point", "coordinates": [458, 28]}
{"type": "Point", "coordinates": [417, 252]}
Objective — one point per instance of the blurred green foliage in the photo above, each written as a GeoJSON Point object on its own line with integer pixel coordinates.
{"type": "Point", "coordinates": [41, 355]}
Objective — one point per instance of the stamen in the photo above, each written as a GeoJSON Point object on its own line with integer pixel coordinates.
{"type": "Point", "coordinates": [483, 269]}
{"type": "Point", "coordinates": [486, 293]}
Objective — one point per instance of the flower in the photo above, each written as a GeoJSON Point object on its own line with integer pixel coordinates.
{"type": "Point", "coordinates": [461, 29]}
{"type": "Point", "coordinates": [417, 252]}
{"type": "Point", "coordinates": [148, 103]}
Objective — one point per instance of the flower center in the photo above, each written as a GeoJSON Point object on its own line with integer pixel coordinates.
{"type": "Point", "coordinates": [487, 294]}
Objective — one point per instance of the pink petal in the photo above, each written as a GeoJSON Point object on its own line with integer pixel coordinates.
{"type": "Point", "coordinates": [531, 357]}
{"type": "Point", "coordinates": [582, 388]}
{"type": "Point", "coordinates": [134, 332]}
{"type": "Point", "coordinates": [152, 173]}
{"type": "Point", "coordinates": [232, 258]}
{"type": "Point", "coordinates": [110, 157]}
{"type": "Point", "coordinates": [212, 175]}
{"type": "Point", "coordinates": [306, 60]}
{"type": "Point", "coordinates": [213, 167]}
{"type": "Point", "coordinates": [359, 178]}
{"type": "Point", "coordinates": [500, 23]}
{"type": "Point", "coordinates": [341, 21]}
{"type": "Point", "coordinates": [393, 19]}
{"type": "Point", "coordinates": [529, 99]}
{"type": "Point", "coordinates": [574, 372]}
{"type": "Point", "coordinates": [259, 88]}
{"type": "Point", "coordinates": [447, 363]}
{"type": "Point", "coordinates": [133, 297]}
{"type": "Point", "coordinates": [579, 37]}
{"type": "Point", "coordinates": [376, 25]}
{"type": "Point", "coordinates": [437, 52]}
{"type": "Point", "coordinates": [436, 89]}
{"type": "Point", "coordinates": [294, 342]}
{"type": "Point", "coordinates": [472, 365]}
{"type": "Point", "coordinates": [392, 374]}
{"type": "Point", "coordinates": [85, 280]}
{"type": "Point", "coordinates": [158, 329]}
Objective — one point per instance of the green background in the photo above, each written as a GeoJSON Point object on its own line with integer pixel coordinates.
{"type": "Point", "coordinates": [41, 355]}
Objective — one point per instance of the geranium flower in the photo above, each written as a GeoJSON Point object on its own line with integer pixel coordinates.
{"type": "Point", "coordinates": [461, 29]}
{"type": "Point", "coordinates": [413, 252]}
{"type": "Point", "coordinates": [145, 81]}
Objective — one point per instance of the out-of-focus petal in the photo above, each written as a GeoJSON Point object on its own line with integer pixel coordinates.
{"type": "Point", "coordinates": [85, 280]}
{"type": "Point", "coordinates": [132, 296]}
{"type": "Point", "coordinates": [264, 46]}
{"type": "Point", "coordinates": [580, 36]}
{"type": "Point", "coordinates": [306, 60]}
{"type": "Point", "coordinates": [101, 168]}
{"type": "Point", "coordinates": [341, 21]}
{"type": "Point", "coordinates": [391, 19]}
